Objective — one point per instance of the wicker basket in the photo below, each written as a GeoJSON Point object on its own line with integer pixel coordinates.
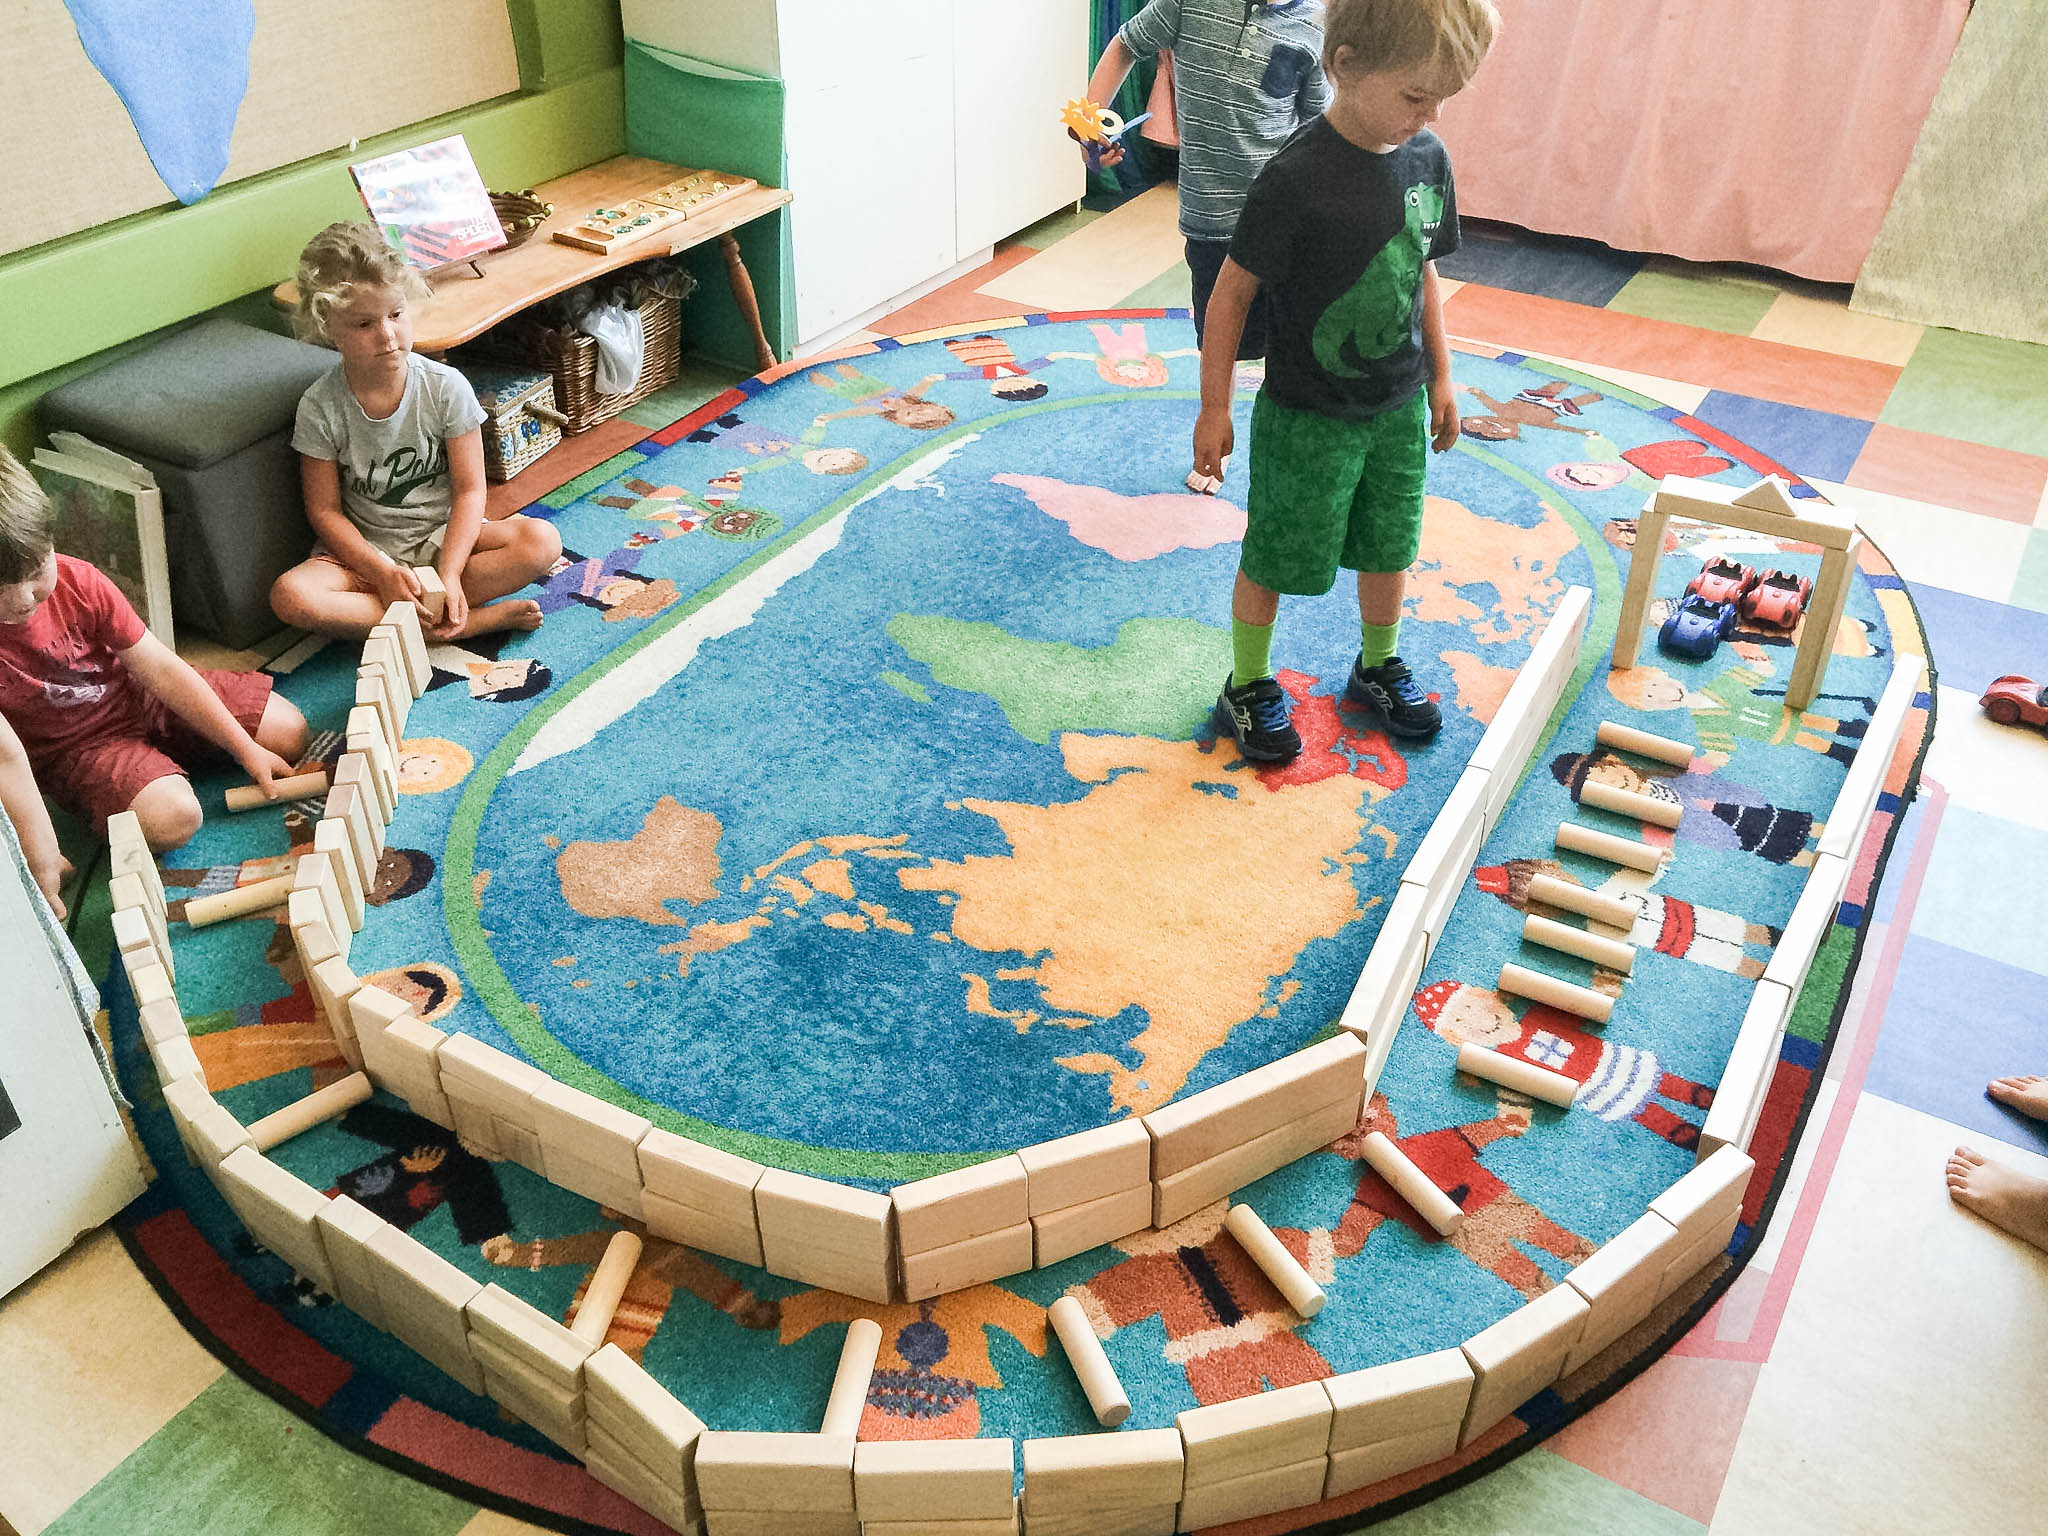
{"type": "Point", "coordinates": [521, 420]}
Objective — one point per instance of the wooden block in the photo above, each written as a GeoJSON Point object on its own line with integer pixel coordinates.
{"type": "Point", "coordinates": [1061, 1234]}
{"type": "Point", "coordinates": [1569, 996]}
{"type": "Point", "coordinates": [299, 786]}
{"type": "Point", "coordinates": [306, 914]}
{"type": "Point", "coordinates": [996, 1525]}
{"type": "Point", "coordinates": [1087, 1167]}
{"type": "Point", "coordinates": [278, 1208]}
{"type": "Point", "coordinates": [373, 1010]}
{"type": "Point", "coordinates": [949, 1207]}
{"type": "Point", "coordinates": [751, 1522]}
{"type": "Point", "coordinates": [1571, 897]}
{"type": "Point", "coordinates": [1813, 522]}
{"type": "Point", "coordinates": [1619, 1282]}
{"type": "Point", "coordinates": [1444, 858]}
{"type": "Point", "coordinates": [825, 1233]}
{"type": "Point", "coordinates": [350, 802]}
{"type": "Point", "coordinates": [131, 893]}
{"type": "Point", "coordinates": [370, 690]}
{"type": "Point", "coordinates": [433, 593]}
{"type": "Point", "coordinates": [765, 1472]}
{"type": "Point", "coordinates": [425, 1299]}
{"type": "Point", "coordinates": [317, 1107]}
{"type": "Point", "coordinates": [205, 1125]}
{"type": "Point", "coordinates": [1155, 1520]}
{"type": "Point", "coordinates": [1412, 1184]}
{"type": "Point", "coordinates": [620, 1472]}
{"type": "Point", "coordinates": [500, 1081]}
{"type": "Point", "coordinates": [1697, 1202]}
{"type": "Point", "coordinates": [972, 1261]}
{"type": "Point", "coordinates": [331, 841]}
{"type": "Point", "coordinates": [610, 1183]}
{"type": "Point", "coordinates": [405, 619]}
{"type": "Point", "coordinates": [698, 1175]}
{"type": "Point", "coordinates": [1517, 726]}
{"type": "Point", "coordinates": [1627, 738]}
{"type": "Point", "coordinates": [1752, 1064]}
{"type": "Point", "coordinates": [1820, 900]}
{"type": "Point", "coordinates": [586, 1128]}
{"type": "Point", "coordinates": [702, 1230]}
{"type": "Point", "coordinates": [1688, 1259]}
{"type": "Point", "coordinates": [1519, 1356]}
{"type": "Point", "coordinates": [132, 932]}
{"type": "Point", "coordinates": [414, 670]}
{"type": "Point", "coordinates": [381, 779]}
{"type": "Point", "coordinates": [1079, 1474]}
{"type": "Point", "coordinates": [161, 1021]}
{"type": "Point", "coordinates": [1253, 1434]}
{"type": "Point", "coordinates": [1380, 1000]}
{"type": "Point", "coordinates": [317, 875]}
{"type": "Point", "coordinates": [380, 655]}
{"type": "Point", "coordinates": [548, 1400]}
{"type": "Point", "coordinates": [407, 1055]}
{"type": "Point", "coordinates": [1107, 1399]}
{"type": "Point", "coordinates": [1657, 811]}
{"type": "Point", "coordinates": [175, 1060]}
{"type": "Point", "coordinates": [934, 1479]}
{"type": "Point", "coordinates": [332, 984]}
{"type": "Point", "coordinates": [641, 1413]}
{"type": "Point", "coordinates": [1516, 1073]}
{"type": "Point", "coordinates": [1384, 1402]}
{"type": "Point", "coordinates": [1182, 1194]}
{"type": "Point", "coordinates": [346, 1229]}
{"type": "Point", "coordinates": [1274, 1261]}
{"type": "Point", "coordinates": [128, 854]}
{"type": "Point", "coordinates": [1369, 1464]}
{"type": "Point", "coordinates": [1613, 954]}
{"type": "Point", "coordinates": [1631, 852]}
{"type": "Point", "coordinates": [147, 976]}
{"type": "Point", "coordinates": [1858, 796]}
{"type": "Point", "coordinates": [850, 1380]}
{"type": "Point", "coordinates": [607, 1283]}
{"type": "Point", "coordinates": [530, 1335]}
{"type": "Point", "coordinates": [1769, 494]}
{"type": "Point", "coordinates": [1198, 1127]}
{"type": "Point", "coordinates": [1264, 1492]}
{"type": "Point", "coordinates": [243, 900]}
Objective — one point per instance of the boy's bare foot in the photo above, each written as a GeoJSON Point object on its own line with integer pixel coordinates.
{"type": "Point", "coordinates": [510, 613]}
{"type": "Point", "coordinates": [2010, 1200]}
{"type": "Point", "coordinates": [2027, 1093]}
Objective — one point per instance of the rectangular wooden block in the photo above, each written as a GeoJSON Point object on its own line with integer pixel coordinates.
{"type": "Point", "coordinates": [381, 776]}
{"type": "Point", "coordinates": [128, 854]}
{"type": "Point", "coordinates": [934, 1479]}
{"type": "Point", "coordinates": [1814, 914]}
{"type": "Point", "coordinates": [1511, 736]}
{"type": "Point", "coordinates": [495, 1078]}
{"type": "Point", "coordinates": [279, 1209]}
{"type": "Point", "coordinates": [695, 1174]}
{"type": "Point", "coordinates": [972, 1261]}
{"type": "Point", "coordinates": [1858, 796]}
{"type": "Point", "coordinates": [147, 977]}
{"type": "Point", "coordinates": [641, 1413]}
{"type": "Point", "coordinates": [380, 655]}
{"type": "Point", "coordinates": [1697, 1202]}
{"type": "Point", "coordinates": [1620, 1281]}
{"type": "Point", "coordinates": [1251, 1434]}
{"type": "Point", "coordinates": [1519, 1356]}
{"type": "Point", "coordinates": [1194, 1129]}
{"type": "Point", "coordinates": [705, 1231]}
{"type": "Point", "coordinates": [1075, 1474]}
{"type": "Point", "coordinates": [413, 665]}
{"type": "Point", "coordinates": [174, 1057]}
{"type": "Point", "coordinates": [433, 592]}
{"type": "Point", "coordinates": [1690, 1258]}
{"type": "Point", "coordinates": [967, 1202]}
{"type": "Point", "coordinates": [612, 1183]}
{"type": "Point", "coordinates": [730, 1522]}
{"type": "Point", "coordinates": [1152, 1520]}
{"type": "Point", "coordinates": [754, 1470]}
{"type": "Point", "coordinates": [1264, 1492]}
{"type": "Point", "coordinates": [1752, 1064]}
{"type": "Point", "coordinates": [317, 875]}
{"type": "Point", "coordinates": [403, 1058]}
{"type": "Point", "coordinates": [549, 1399]}
{"type": "Point", "coordinates": [424, 1299]}
{"type": "Point", "coordinates": [306, 914]}
{"type": "Point", "coordinates": [1385, 1401]}
{"type": "Point", "coordinates": [1444, 857]}
{"type": "Point", "coordinates": [523, 1330]}
{"type": "Point", "coordinates": [346, 1230]}
{"type": "Point", "coordinates": [352, 800]}
{"type": "Point", "coordinates": [162, 1021]}
{"type": "Point", "coordinates": [1183, 1193]}
{"type": "Point", "coordinates": [370, 690]}
{"type": "Point", "coordinates": [586, 1128]}
{"type": "Point", "coordinates": [826, 1234]}
{"type": "Point", "coordinates": [1392, 967]}
{"type": "Point", "coordinates": [1818, 522]}
{"type": "Point", "coordinates": [1368, 1464]}
{"type": "Point", "coordinates": [331, 841]}
{"type": "Point", "coordinates": [1061, 1234]}
{"type": "Point", "coordinates": [132, 932]}
{"type": "Point", "coordinates": [538, 1410]}
{"type": "Point", "coordinates": [207, 1128]}
{"type": "Point", "coordinates": [404, 619]}
{"type": "Point", "coordinates": [998, 1525]}
{"type": "Point", "coordinates": [1074, 1170]}
{"type": "Point", "coordinates": [667, 1504]}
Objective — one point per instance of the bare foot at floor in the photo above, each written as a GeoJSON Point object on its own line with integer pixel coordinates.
{"type": "Point", "coordinates": [2027, 1093]}
{"type": "Point", "coordinates": [2013, 1201]}
{"type": "Point", "coordinates": [511, 613]}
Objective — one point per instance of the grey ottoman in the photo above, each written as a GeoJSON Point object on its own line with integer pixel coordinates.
{"type": "Point", "coordinates": [210, 412]}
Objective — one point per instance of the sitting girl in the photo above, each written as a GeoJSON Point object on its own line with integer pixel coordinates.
{"type": "Point", "coordinates": [391, 458]}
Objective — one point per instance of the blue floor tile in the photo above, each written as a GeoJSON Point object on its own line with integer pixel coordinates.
{"type": "Point", "coordinates": [1972, 640]}
{"type": "Point", "coordinates": [1983, 892]}
{"type": "Point", "coordinates": [1812, 444]}
{"type": "Point", "coordinates": [1550, 266]}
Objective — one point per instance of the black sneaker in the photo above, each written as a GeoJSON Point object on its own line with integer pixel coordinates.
{"type": "Point", "coordinates": [1389, 690]}
{"type": "Point", "coordinates": [1256, 715]}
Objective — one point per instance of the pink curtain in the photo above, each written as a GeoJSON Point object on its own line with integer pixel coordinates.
{"type": "Point", "coordinates": [1765, 131]}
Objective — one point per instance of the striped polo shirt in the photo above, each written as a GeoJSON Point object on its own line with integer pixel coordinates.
{"type": "Point", "coordinates": [1245, 76]}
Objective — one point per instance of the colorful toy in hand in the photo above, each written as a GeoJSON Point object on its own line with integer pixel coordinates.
{"type": "Point", "coordinates": [1097, 128]}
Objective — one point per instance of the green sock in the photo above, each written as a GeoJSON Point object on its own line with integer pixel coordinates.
{"type": "Point", "coordinates": [1379, 641]}
{"type": "Point", "coordinates": [1251, 647]}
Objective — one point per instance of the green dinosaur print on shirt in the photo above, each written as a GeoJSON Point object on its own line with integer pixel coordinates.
{"type": "Point", "coordinates": [1375, 315]}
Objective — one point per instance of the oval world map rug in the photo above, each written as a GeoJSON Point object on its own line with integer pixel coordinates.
{"type": "Point", "coordinates": [859, 809]}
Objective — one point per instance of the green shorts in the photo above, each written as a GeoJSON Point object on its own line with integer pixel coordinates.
{"type": "Point", "coordinates": [1327, 492]}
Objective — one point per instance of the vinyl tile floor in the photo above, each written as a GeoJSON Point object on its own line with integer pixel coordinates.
{"type": "Point", "coordinates": [1877, 1368]}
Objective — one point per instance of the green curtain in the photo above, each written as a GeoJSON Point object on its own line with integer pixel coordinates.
{"type": "Point", "coordinates": [1142, 162]}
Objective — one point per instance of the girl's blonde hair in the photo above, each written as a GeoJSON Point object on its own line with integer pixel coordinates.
{"type": "Point", "coordinates": [24, 522]}
{"type": "Point", "coordinates": [337, 261]}
{"type": "Point", "coordinates": [1451, 36]}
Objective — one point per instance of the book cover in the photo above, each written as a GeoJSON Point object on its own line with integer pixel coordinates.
{"type": "Point", "coordinates": [106, 510]}
{"type": "Point", "coordinates": [431, 203]}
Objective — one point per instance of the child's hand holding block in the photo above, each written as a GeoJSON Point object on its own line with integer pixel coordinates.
{"type": "Point", "coordinates": [300, 786]}
{"type": "Point", "coordinates": [433, 592]}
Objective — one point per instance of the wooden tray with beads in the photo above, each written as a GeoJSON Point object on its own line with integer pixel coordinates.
{"type": "Point", "coordinates": [616, 224]}
{"type": "Point", "coordinates": [700, 190]}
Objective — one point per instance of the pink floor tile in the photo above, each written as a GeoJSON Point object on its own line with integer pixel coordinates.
{"type": "Point", "coordinates": [1994, 481]}
{"type": "Point", "coordinates": [1669, 1434]}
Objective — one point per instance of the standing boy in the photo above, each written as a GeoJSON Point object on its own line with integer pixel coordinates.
{"type": "Point", "coordinates": [1341, 230]}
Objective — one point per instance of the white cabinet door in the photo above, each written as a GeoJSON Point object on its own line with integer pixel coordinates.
{"type": "Point", "coordinates": [1015, 64]}
{"type": "Point", "coordinates": [838, 42]}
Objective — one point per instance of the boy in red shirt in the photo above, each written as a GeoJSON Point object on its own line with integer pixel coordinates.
{"type": "Point", "coordinates": [99, 712]}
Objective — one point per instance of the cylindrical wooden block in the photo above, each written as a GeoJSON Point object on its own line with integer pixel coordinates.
{"type": "Point", "coordinates": [1106, 1394]}
{"type": "Point", "coordinates": [1553, 892]}
{"type": "Point", "coordinates": [850, 1381]}
{"type": "Point", "coordinates": [1627, 802]}
{"type": "Point", "coordinates": [593, 1319]}
{"type": "Point", "coordinates": [1612, 953]}
{"type": "Point", "coordinates": [1605, 845]}
{"type": "Point", "coordinates": [1569, 996]}
{"type": "Point", "coordinates": [1643, 743]}
{"type": "Point", "coordinates": [300, 786]}
{"type": "Point", "coordinates": [321, 1104]}
{"type": "Point", "coordinates": [239, 902]}
{"type": "Point", "coordinates": [1412, 1184]}
{"type": "Point", "coordinates": [1280, 1266]}
{"type": "Point", "coordinates": [1522, 1076]}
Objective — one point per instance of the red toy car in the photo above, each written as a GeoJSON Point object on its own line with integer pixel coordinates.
{"type": "Point", "coordinates": [1777, 600]}
{"type": "Point", "coordinates": [2016, 700]}
{"type": "Point", "coordinates": [1723, 581]}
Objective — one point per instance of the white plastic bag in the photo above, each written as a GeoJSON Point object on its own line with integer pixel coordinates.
{"type": "Point", "coordinates": [621, 346]}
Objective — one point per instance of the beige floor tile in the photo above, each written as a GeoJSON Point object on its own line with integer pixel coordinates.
{"type": "Point", "coordinates": [1800, 321]}
{"type": "Point", "coordinates": [489, 1522]}
{"type": "Point", "coordinates": [1960, 551]}
{"type": "Point", "coordinates": [94, 1365]}
{"type": "Point", "coordinates": [1903, 1391]}
{"type": "Point", "coordinates": [1986, 767]}
{"type": "Point", "coordinates": [1100, 262]}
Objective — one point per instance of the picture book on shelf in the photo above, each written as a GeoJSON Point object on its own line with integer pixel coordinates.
{"type": "Point", "coordinates": [107, 511]}
{"type": "Point", "coordinates": [431, 203]}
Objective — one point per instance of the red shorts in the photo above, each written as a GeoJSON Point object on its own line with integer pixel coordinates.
{"type": "Point", "coordinates": [102, 778]}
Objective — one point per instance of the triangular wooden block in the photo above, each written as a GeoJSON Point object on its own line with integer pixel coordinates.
{"type": "Point", "coordinates": [1769, 495]}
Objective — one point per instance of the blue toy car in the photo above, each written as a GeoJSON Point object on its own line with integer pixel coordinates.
{"type": "Point", "coordinates": [1697, 628]}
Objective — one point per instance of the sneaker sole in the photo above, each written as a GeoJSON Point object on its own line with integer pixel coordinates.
{"type": "Point", "coordinates": [1226, 726]}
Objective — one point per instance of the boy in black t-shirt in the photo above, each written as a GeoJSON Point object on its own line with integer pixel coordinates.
{"type": "Point", "coordinates": [1341, 228]}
